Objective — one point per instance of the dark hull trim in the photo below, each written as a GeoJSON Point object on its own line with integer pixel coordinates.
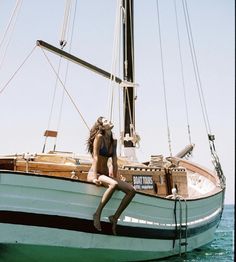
{"type": "Point", "coordinates": [84, 225]}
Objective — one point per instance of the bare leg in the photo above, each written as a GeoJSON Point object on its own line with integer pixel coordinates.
{"type": "Point", "coordinates": [130, 193]}
{"type": "Point", "coordinates": [113, 221]}
{"type": "Point", "coordinates": [112, 184]}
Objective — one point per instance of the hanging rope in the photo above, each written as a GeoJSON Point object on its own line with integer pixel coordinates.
{"type": "Point", "coordinates": [119, 73]}
{"type": "Point", "coordinates": [211, 138]}
{"type": "Point", "coordinates": [14, 15]}
{"type": "Point", "coordinates": [163, 79]}
{"type": "Point", "coordinates": [116, 51]}
{"type": "Point", "coordinates": [120, 17]}
{"type": "Point", "coordinates": [182, 74]}
{"type": "Point", "coordinates": [195, 67]}
{"type": "Point", "coordinates": [18, 69]}
{"type": "Point", "coordinates": [67, 66]}
{"type": "Point", "coordinates": [11, 25]}
{"type": "Point", "coordinates": [52, 106]}
{"type": "Point", "coordinates": [67, 92]}
{"type": "Point", "coordinates": [116, 42]}
{"type": "Point", "coordinates": [64, 30]}
{"type": "Point", "coordinates": [63, 43]}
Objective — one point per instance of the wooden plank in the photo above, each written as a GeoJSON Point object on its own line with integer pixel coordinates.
{"type": "Point", "coordinates": [179, 178]}
{"type": "Point", "coordinates": [50, 167]}
{"type": "Point", "coordinates": [50, 133]}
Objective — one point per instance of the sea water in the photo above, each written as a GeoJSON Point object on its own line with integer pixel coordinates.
{"type": "Point", "coordinates": [221, 249]}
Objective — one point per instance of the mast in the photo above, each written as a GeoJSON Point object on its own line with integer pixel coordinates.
{"type": "Point", "coordinates": [128, 72]}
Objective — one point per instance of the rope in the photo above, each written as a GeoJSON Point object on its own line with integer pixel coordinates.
{"type": "Point", "coordinates": [116, 53]}
{"type": "Point", "coordinates": [211, 138]}
{"type": "Point", "coordinates": [67, 92]}
{"type": "Point", "coordinates": [63, 43]}
{"type": "Point", "coordinates": [10, 22]}
{"type": "Point", "coordinates": [120, 90]}
{"type": "Point", "coordinates": [216, 161]}
{"type": "Point", "coordinates": [18, 69]}
{"type": "Point", "coordinates": [14, 15]}
{"type": "Point", "coordinates": [115, 59]}
{"type": "Point", "coordinates": [65, 24]}
{"type": "Point", "coordinates": [54, 93]}
{"type": "Point", "coordinates": [53, 101]}
{"type": "Point", "coordinates": [116, 41]}
{"type": "Point", "coordinates": [163, 79]}
{"type": "Point", "coordinates": [195, 66]}
{"type": "Point", "coordinates": [67, 69]}
{"type": "Point", "coordinates": [182, 74]}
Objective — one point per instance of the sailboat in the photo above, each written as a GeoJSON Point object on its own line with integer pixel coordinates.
{"type": "Point", "coordinates": [47, 205]}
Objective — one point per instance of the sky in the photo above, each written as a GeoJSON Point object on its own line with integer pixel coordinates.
{"type": "Point", "coordinates": [26, 92]}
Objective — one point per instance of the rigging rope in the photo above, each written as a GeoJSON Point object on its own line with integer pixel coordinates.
{"type": "Point", "coordinates": [54, 92]}
{"type": "Point", "coordinates": [65, 24]}
{"type": "Point", "coordinates": [63, 43]}
{"type": "Point", "coordinates": [115, 59]}
{"type": "Point", "coordinates": [67, 65]}
{"type": "Point", "coordinates": [119, 68]}
{"type": "Point", "coordinates": [18, 69]}
{"type": "Point", "coordinates": [195, 67]}
{"type": "Point", "coordinates": [116, 41]}
{"type": "Point", "coordinates": [67, 92]}
{"type": "Point", "coordinates": [182, 74]}
{"type": "Point", "coordinates": [116, 51]}
{"type": "Point", "coordinates": [211, 138]}
{"type": "Point", "coordinates": [53, 101]}
{"type": "Point", "coordinates": [13, 23]}
{"type": "Point", "coordinates": [163, 78]}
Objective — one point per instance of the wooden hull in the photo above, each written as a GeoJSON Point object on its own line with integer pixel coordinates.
{"type": "Point", "coordinates": [49, 217]}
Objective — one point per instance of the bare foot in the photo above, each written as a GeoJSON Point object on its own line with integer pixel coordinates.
{"type": "Point", "coordinates": [113, 222]}
{"type": "Point", "coordinates": [96, 222]}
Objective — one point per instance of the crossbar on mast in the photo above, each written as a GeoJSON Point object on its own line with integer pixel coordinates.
{"type": "Point", "coordinates": [77, 60]}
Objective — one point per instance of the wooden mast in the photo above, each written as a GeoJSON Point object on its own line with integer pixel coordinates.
{"type": "Point", "coordinates": [128, 70]}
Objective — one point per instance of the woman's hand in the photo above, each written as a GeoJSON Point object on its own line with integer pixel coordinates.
{"type": "Point", "coordinates": [97, 182]}
{"type": "Point", "coordinates": [122, 178]}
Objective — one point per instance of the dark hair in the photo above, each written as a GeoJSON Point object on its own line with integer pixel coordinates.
{"type": "Point", "coordinates": [96, 129]}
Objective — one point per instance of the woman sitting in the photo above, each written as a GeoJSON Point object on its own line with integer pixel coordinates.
{"type": "Point", "coordinates": [102, 146]}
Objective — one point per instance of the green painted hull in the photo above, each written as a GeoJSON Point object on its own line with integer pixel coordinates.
{"type": "Point", "coordinates": [24, 253]}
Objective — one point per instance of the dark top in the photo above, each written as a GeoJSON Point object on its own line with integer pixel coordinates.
{"type": "Point", "coordinates": [107, 152]}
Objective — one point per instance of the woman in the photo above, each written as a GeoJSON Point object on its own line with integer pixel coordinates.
{"type": "Point", "coordinates": [102, 146]}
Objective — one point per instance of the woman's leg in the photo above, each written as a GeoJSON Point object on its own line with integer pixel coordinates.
{"type": "Point", "coordinates": [91, 176]}
{"type": "Point", "coordinates": [130, 193]}
{"type": "Point", "coordinates": [112, 185]}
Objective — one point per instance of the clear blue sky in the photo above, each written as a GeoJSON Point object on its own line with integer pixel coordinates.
{"type": "Point", "coordinates": [26, 102]}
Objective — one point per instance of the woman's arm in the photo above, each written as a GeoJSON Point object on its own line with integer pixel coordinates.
{"type": "Point", "coordinates": [96, 147]}
{"type": "Point", "coordinates": [114, 168]}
